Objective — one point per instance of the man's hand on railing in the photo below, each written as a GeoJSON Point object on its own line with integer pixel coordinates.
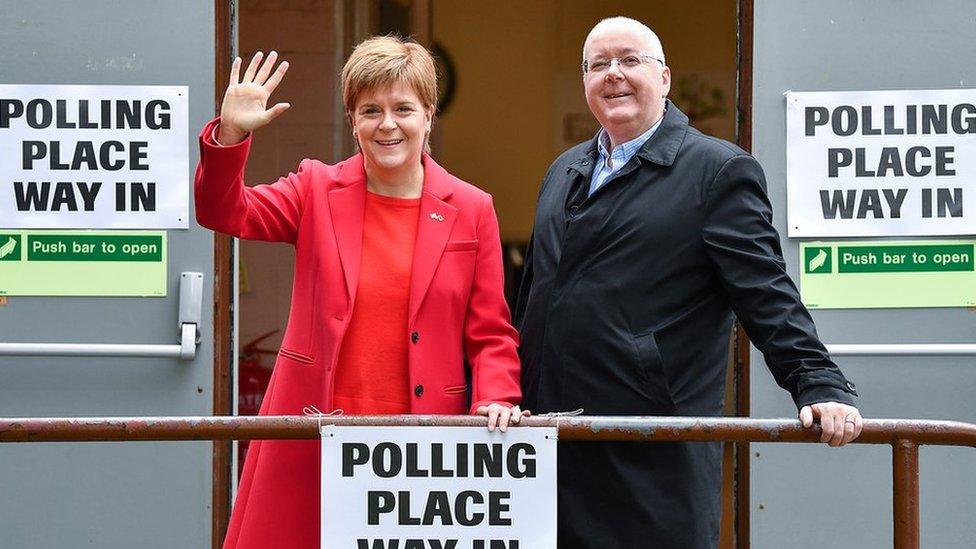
{"type": "Point", "coordinates": [839, 423]}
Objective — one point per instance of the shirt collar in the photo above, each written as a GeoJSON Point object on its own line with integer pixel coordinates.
{"type": "Point", "coordinates": [622, 153]}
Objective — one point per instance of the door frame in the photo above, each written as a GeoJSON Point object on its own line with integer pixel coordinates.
{"type": "Point", "coordinates": [741, 348]}
{"type": "Point", "coordinates": [225, 46]}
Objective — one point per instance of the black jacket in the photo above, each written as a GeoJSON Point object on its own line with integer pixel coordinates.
{"type": "Point", "coordinates": [625, 308]}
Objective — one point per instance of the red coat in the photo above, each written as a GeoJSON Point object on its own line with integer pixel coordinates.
{"type": "Point", "coordinates": [457, 308]}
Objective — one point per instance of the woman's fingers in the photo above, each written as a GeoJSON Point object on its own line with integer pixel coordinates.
{"type": "Point", "coordinates": [235, 72]}
{"type": "Point", "coordinates": [275, 111]}
{"type": "Point", "coordinates": [276, 77]}
{"type": "Point", "coordinates": [516, 415]}
{"type": "Point", "coordinates": [265, 69]}
{"type": "Point", "coordinates": [257, 72]}
{"type": "Point", "coordinates": [504, 415]}
{"type": "Point", "coordinates": [492, 417]}
{"type": "Point", "coordinates": [501, 416]}
{"type": "Point", "coordinates": [252, 68]}
{"type": "Point", "coordinates": [244, 108]}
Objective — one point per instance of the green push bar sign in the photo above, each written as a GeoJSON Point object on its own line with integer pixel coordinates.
{"type": "Point", "coordinates": [854, 275]}
{"type": "Point", "coordinates": [82, 263]}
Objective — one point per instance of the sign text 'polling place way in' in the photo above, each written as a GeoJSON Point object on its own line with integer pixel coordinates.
{"type": "Point", "coordinates": [881, 163]}
{"type": "Point", "coordinates": [438, 488]}
{"type": "Point", "coordinates": [93, 157]}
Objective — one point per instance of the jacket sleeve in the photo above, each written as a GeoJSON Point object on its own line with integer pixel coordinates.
{"type": "Point", "coordinates": [744, 247]}
{"type": "Point", "coordinates": [490, 341]}
{"type": "Point", "coordinates": [223, 203]}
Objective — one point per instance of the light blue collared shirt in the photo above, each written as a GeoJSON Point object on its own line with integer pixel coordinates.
{"type": "Point", "coordinates": [610, 162]}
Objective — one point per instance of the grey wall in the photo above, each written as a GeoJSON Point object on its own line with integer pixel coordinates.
{"type": "Point", "coordinates": [804, 496]}
{"type": "Point", "coordinates": [109, 495]}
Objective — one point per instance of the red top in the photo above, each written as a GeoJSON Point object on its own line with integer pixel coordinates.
{"type": "Point", "coordinates": [372, 376]}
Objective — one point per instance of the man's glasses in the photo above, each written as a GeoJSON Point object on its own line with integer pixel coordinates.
{"type": "Point", "coordinates": [601, 65]}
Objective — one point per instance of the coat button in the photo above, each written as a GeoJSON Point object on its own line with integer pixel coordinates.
{"type": "Point", "coordinates": [850, 387]}
{"type": "Point", "coordinates": [573, 209]}
{"type": "Point", "coordinates": [414, 337]}
{"type": "Point", "coordinates": [418, 390]}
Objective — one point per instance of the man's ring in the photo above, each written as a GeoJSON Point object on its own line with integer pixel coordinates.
{"type": "Point", "coordinates": [851, 421]}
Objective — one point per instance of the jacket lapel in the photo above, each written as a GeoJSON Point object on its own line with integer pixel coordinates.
{"type": "Point", "coordinates": [433, 231]}
{"type": "Point", "coordinates": [347, 206]}
{"type": "Point", "coordinates": [586, 162]}
{"type": "Point", "coordinates": [662, 148]}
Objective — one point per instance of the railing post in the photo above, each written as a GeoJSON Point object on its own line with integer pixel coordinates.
{"type": "Point", "coordinates": [904, 461]}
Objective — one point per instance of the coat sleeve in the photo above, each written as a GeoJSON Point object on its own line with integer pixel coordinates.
{"type": "Point", "coordinates": [490, 341]}
{"type": "Point", "coordinates": [223, 203]}
{"type": "Point", "coordinates": [744, 247]}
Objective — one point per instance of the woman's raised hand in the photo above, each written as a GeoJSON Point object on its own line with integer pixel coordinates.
{"type": "Point", "coordinates": [246, 100]}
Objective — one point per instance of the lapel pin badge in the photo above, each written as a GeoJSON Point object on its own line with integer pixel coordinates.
{"type": "Point", "coordinates": [437, 217]}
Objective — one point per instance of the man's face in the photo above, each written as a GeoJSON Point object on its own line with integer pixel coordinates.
{"type": "Point", "coordinates": [626, 101]}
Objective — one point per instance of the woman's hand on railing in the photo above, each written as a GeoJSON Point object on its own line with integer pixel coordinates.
{"type": "Point", "coordinates": [839, 423]}
{"type": "Point", "coordinates": [501, 415]}
{"type": "Point", "coordinates": [244, 108]}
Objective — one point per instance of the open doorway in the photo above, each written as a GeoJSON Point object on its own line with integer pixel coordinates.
{"type": "Point", "coordinates": [522, 72]}
{"type": "Point", "coordinates": [511, 101]}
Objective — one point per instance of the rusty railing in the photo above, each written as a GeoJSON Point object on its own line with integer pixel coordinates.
{"type": "Point", "coordinates": [904, 437]}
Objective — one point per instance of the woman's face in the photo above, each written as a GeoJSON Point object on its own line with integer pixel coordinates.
{"type": "Point", "coordinates": [391, 125]}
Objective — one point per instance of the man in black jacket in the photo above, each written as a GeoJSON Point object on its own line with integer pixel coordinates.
{"type": "Point", "coordinates": [647, 240]}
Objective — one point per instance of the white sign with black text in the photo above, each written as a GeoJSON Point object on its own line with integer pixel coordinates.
{"type": "Point", "coordinates": [94, 157]}
{"type": "Point", "coordinates": [881, 163]}
{"type": "Point", "coordinates": [438, 488]}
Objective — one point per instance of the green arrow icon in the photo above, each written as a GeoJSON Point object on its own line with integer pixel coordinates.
{"type": "Point", "coordinates": [8, 248]}
{"type": "Point", "coordinates": [818, 260]}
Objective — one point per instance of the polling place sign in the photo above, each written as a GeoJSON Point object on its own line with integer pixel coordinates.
{"type": "Point", "coordinates": [94, 157]}
{"type": "Point", "coordinates": [438, 488]}
{"type": "Point", "coordinates": [881, 163]}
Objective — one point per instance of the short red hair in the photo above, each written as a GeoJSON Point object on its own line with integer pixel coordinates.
{"type": "Point", "coordinates": [384, 60]}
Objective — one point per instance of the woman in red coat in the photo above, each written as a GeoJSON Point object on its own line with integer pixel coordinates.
{"type": "Point", "coordinates": [398, 275]}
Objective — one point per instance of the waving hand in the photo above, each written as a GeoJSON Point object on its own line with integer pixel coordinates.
{"type": "Point", "coordinates": [245, 105]}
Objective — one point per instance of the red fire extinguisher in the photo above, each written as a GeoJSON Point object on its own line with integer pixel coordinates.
{"type": "Point", "coordinates": [252, 382]}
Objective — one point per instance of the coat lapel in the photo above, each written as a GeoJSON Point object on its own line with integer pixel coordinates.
{"type": "Point", "coordinates": [347, 206]}
{"type": "Point", "coordinates": [433, 231]}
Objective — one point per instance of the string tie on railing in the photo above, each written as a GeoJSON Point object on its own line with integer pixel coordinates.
{"type": "Point", "coordinates": [560, 415]}
{"type": "Point", "coordinates": [311, 410]}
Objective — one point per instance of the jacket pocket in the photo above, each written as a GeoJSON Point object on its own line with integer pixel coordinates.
{"type": "Point", "coordinates": [296, 356]}
{"type": "Point", "coordinates": [456, 390]}
{"type": "Point", "coordinates": [653, 376]}
{"type": "Point", "coordinates": [461, 246]}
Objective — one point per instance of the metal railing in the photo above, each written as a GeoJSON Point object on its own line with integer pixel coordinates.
{"type": "Point", "coordinates": [904, 436]}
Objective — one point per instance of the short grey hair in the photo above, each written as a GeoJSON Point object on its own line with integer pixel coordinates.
{"type": "Point", "coordinates": [653, 42]}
